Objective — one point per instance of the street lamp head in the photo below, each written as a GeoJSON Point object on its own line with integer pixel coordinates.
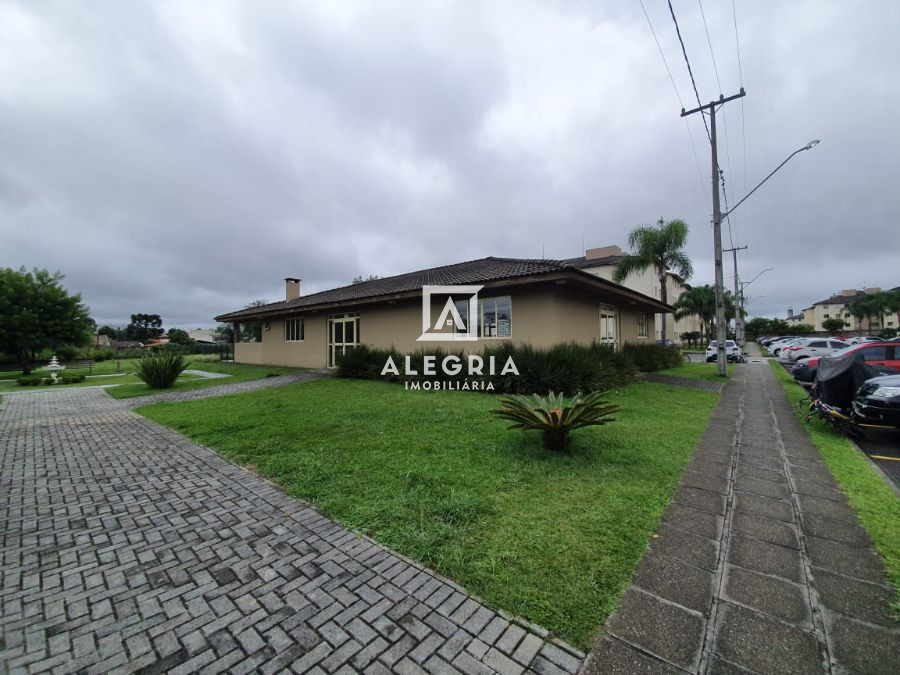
{"type": "Point", "coordinates": [811, 144]}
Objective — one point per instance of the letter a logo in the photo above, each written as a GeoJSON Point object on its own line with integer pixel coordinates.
{"type": "Point", "coordinates": [456, 321]}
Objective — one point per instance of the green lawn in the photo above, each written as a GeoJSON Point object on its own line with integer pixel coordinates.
{"type": "Point", "coordinates": [697, 371]}
{"type": "Point", "coordinates": [100, 368]}
{"type": "Point", "coordinates": [129, 386]}
{"type": "Point", "coordinates": [11, 385]}
{"type": "Point", "coordinates": [432, 475]}
{"type": "Point", "coordinates": [239, 372]}
{"type": "Point", "coordinates": [875, 503]}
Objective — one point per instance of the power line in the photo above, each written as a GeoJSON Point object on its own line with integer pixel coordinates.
{"type": "Point", "coordinates": [709, 42]}
{"type": "Point", "coordinates": [688, 63]}
{"type": "Point", "coordinates": [680, 101]}
{"type": "Point", "coordinates": [712, 55]}
{"type": "Point", "coordinates": [737, 44]}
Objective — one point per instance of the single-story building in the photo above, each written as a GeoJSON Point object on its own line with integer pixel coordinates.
{"type": "Point", "coordinates": [538, 302]}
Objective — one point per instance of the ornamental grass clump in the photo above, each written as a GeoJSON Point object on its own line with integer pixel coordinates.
{"type": "Point", "coordinates": [160, 370]}
{"type": "Point", "coordinates": [556, 416]}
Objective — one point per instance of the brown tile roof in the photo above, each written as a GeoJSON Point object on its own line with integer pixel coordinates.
{"type": "Point", "coordinates": [479, 271]}
{"type": "Point", "coordinates": [840, 299]}
{"type": "Point", "coordinates": [584, 261]}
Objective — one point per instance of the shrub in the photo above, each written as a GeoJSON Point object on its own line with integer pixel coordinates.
{"type": "Point", "coordinates": [649, 358]}
{"type": "Point", "coordinates": [29, 380]}
{"type": "Point", "coordinates": [72, 379]}
{"type": "Point", "coordinates": [567, 368]}
{"type": "Point", "coordinates": [888, 333]}
{"type": "Point", "coordinates": [365, 363]}
{"type": "Point", "coordinates": [160, 369]}
{"type": "Point", "coordinates": [555, 416]}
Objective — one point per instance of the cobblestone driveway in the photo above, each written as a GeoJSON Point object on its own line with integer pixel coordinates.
{"type": "Point", "coordinates": [128, 548]}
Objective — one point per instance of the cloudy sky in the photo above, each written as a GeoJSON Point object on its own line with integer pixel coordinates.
{"type": "Point", "coordinates": [181, 158]}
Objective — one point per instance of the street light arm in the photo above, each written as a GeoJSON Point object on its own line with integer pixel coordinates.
{"type": "Point", "coordinates": [808, 146]}
{"type": "Point", "coordinates": [747, 283]}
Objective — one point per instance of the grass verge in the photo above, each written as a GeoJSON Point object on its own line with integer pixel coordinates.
{"type": "Point", "coordinates": [239, 372]}
{"type": "Point", "coordinates": [875, 503]}
{"type": "Point", "coordinates": [432, 475]}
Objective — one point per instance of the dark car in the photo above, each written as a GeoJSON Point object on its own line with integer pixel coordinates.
{"type": "Point", "coordinates": [877, 401]}
{"type": "Point", "coordinates": [804, 373]}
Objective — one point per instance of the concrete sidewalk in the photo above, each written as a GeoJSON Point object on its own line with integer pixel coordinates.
{"type": "Point", "coordinates": [760, 564]}
{"type": "Point", "coordinates": [127, 548]}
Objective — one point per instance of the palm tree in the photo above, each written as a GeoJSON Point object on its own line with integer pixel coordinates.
{"type": "Point", "coordinates": [660, 247]}
{"type": "Point", "coordinates": [699, 301]}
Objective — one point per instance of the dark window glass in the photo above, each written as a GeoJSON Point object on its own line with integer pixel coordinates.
{"type": "Point", "coordinates": [875, 353]}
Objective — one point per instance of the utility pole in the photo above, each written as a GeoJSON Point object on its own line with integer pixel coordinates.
{"type": "Point", "coordinates": [738, 303]}
{"type": "Point", "coordinates": [721, 332]}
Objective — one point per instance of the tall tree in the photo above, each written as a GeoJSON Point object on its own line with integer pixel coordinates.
{"type": "Point", "coordinates": [144, 327]}
{"type": "Point", "coordinates": [699, 301]}
{"type": "Point", "coordinates": [660, 247]}
{"type": "Point", "coordinates": [37, 313]}
{"type": "Point", "coordinates": [177, 336]}
{"type": "Point", "coordinates": [833, 325]}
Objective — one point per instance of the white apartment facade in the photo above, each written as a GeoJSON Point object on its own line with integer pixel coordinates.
{"type": "Point", "coordinates": [602, 262]}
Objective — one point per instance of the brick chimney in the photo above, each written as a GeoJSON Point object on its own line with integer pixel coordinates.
{"type": "Point", "coordinates": [291, 288]}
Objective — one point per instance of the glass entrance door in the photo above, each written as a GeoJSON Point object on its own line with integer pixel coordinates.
{"type": "Point", "coordinates": [609, 325]}
{"type": "Point", "coordinates": [343, 335]}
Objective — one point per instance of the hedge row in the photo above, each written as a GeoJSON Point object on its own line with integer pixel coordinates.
{"type": "Point", "coordinates": [566, 368]}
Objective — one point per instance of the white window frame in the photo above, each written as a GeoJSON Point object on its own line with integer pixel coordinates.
{"type": "Point", "coordinates": [296, 321]}
{"type": "Point", "coordinates": [642, 326]}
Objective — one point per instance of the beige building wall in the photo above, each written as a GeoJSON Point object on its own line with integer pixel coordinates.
{"type": "Point", "coordinates": [647, 283]}
{"type": "Point", "coordinates": [540, 317]}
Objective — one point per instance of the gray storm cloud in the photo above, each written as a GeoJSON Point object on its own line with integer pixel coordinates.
{"type": "Point", "coordinates": [181, 158]}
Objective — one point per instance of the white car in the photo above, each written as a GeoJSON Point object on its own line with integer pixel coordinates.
{"type": "Point", "coordinates": [786, 348]}
{"type": "Point", "coordinates": [776, 347]}
{"type": "Point", "coordinates": [864, 338]}
{"type": "Point", "coordinates": [731, 350]}
{"type": "Point", "coordinates": [814, 347]}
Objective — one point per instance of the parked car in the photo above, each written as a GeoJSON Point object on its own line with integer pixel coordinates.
{"type": "Point", "coordinates": [863, 339]}
{"type": "Point", "coordinates": [814, 347]}
{"type": "Point", "coordinates": [785, 348]}
{"type": "Point", "coordinates": [732, 350]}
{"type": "Point", "coordinates": [776, 347]}
{"type": "Point", "coordinates": [803, 373]}
{"type": "Point", "coordinates": [778, 338]}
{"type": "Point", "coordinates": [877, 401]}
{"type": "Point", "coordinates": [666, 343]}
{"type": "Point", "coordinates": [880, 354]}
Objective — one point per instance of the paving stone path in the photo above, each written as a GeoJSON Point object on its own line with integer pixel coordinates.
{"type": "Point", "coordinates": [127, 548]}
{"type": "Point", "coordinates": [224, 389]}
{"type": "Point", "coordinates": [760, 564]}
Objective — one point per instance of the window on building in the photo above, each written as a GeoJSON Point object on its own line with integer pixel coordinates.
{"type": "Point", "coordinates": [827, 316]}
{"type": "Point", "coordinates": [293, 330]}
{"type": "Point", "coordinates": [250, 332]}
{"type": "Point", "coordinates": [642, 325]}
{"type": "Point", "coordinates": [495, 318]}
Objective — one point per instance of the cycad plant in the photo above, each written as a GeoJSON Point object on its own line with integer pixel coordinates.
{"type": "Point", "coordinates": [555, 415]}
{"type": "Point", "coordinates": [160, 370]}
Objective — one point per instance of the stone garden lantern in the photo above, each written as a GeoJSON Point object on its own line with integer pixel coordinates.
{"type": "Point", "coordinates": [54, 368]}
